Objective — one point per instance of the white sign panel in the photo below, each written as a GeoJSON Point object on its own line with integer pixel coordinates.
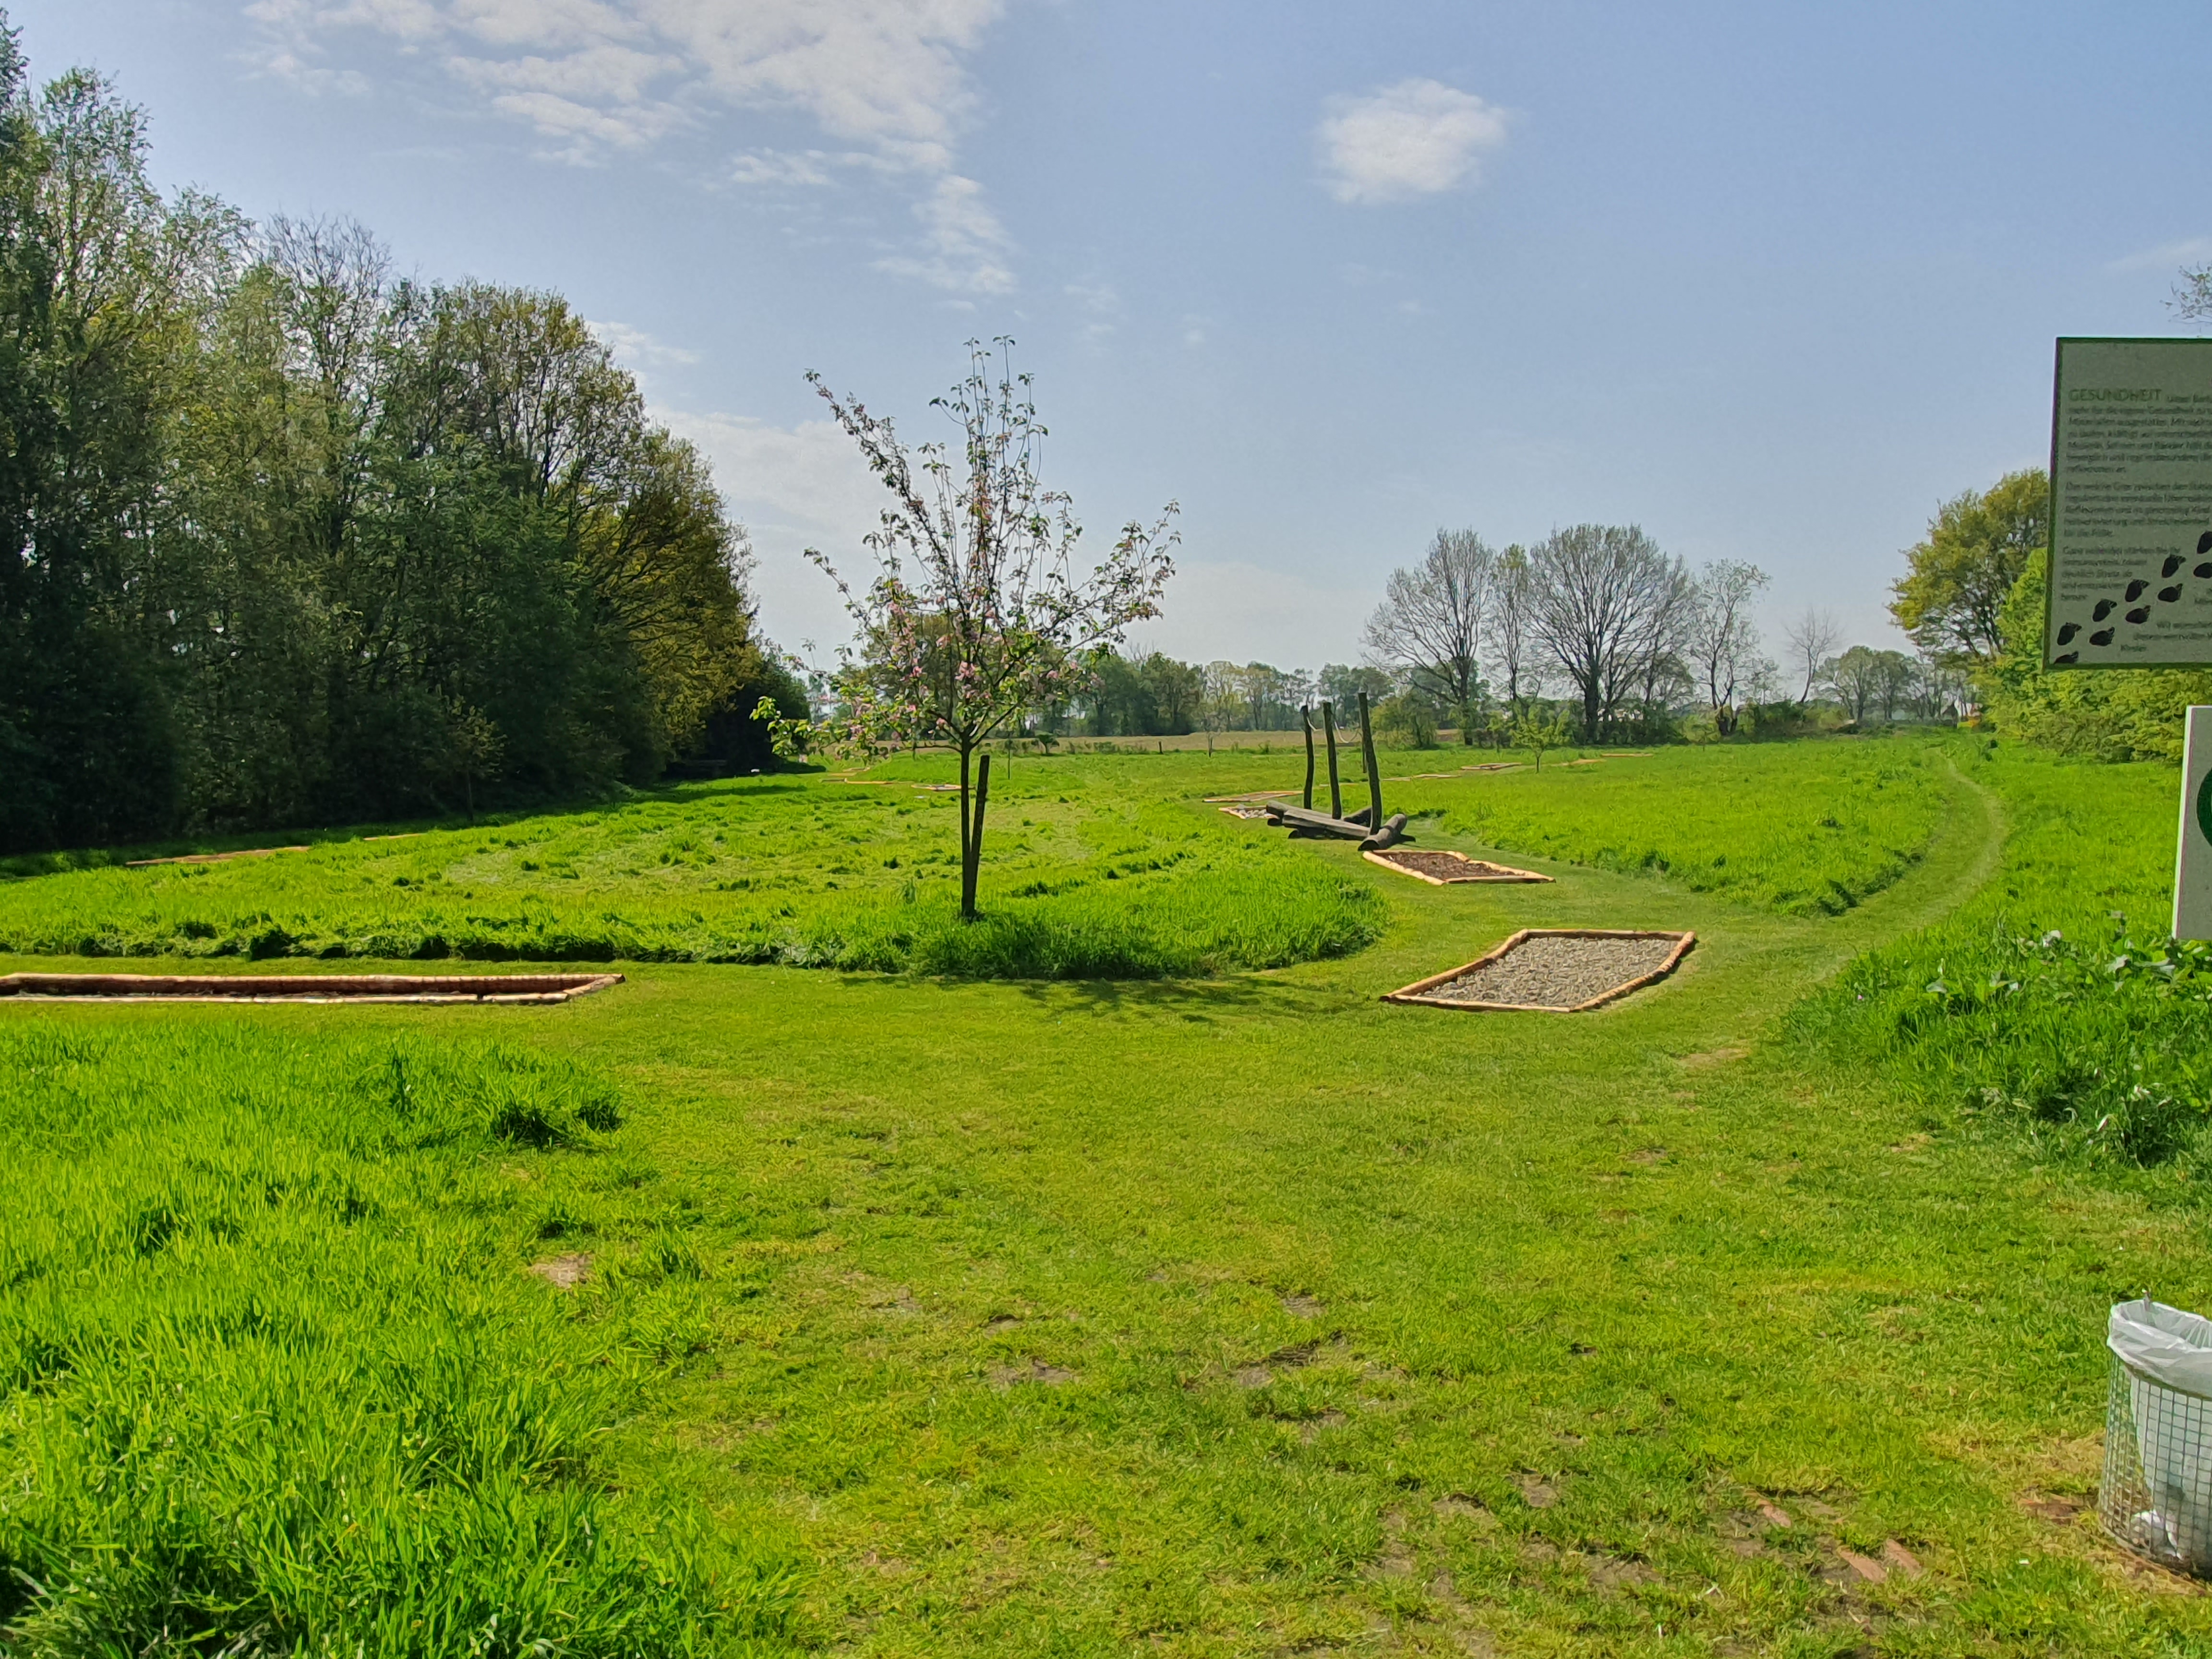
{"type": "Point", "coordinates": [2192, 869]}
{"type": "Point", "coordinates": [2130, 505]}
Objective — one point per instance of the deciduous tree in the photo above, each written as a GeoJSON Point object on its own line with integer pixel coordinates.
{"type": "Point", "coordinates": [1723, 644]}
{"type": "Point", "coordinates": [1813, 639]}
{"type": "Point", "coordinates": [977, 610]}
{"type": "Point", "coordinates": [1599, 598]}
{"type": "Point", "coordinates": [1431, 622]}
{"type": "Point", "coordinates": [1950, 600]}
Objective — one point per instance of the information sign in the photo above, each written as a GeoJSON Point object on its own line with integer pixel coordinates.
{"type": "Point", "coordinates": [2130, 505]}
{"type": "Point", "coordinates": [2192, 868]}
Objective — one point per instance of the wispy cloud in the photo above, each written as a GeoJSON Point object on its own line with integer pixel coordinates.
{"type": "Point", "coordinates": [2196, 250]}
{"type": "Point", "coordinates": [1415, 138]}
{"type": "Point", "coordinates": [637, 350]}
{"type": "Point", "coordinates": [966, 245]}
{"type": "Point", "coordinates": [595, 78]}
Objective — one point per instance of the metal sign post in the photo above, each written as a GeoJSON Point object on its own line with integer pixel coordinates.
{"type": "Point", "coordinates": [2192, 860]}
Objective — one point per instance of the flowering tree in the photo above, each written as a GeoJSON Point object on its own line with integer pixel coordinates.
{"type": "Point", "coordinates": [977, 610]}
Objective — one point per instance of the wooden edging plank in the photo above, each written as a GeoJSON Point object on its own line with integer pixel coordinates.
{"type": "Point", "coordinates": [1411, 995]}
{"type": "Point", "coordinates": [304, 988]}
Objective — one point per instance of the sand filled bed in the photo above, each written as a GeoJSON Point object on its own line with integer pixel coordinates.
{"type": "Point", "coordinates": [1553, 970]}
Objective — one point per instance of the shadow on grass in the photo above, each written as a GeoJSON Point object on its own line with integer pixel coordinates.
{"type": "Point", "coordinates": [1238, 996]}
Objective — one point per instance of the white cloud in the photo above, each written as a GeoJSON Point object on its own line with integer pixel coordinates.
{"type": "Point", "coordinates": [793, 488]}
{"type": "Point", "coordinates": [594, 77]}
{"type": "Point", "coordinates": [639, 351]}
{"type": "Point", "coordinates": [966, 245]}
{"type": "Point", "coordinates": [1415, 138]}
{"type": "Point", "coordinates": [786, 168]}
{"type": "Point", "coordinates": [2195, 251]}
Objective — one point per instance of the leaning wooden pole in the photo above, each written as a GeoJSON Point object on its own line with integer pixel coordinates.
{"type": "Point", "coordinates": [1374, 771]}
{"type": "Point", "coordinates": [1306, 715]}
{"type": "Point", "coordinates": [970, 876]}
{"type": "Point", "coordinates": [1335, 787]}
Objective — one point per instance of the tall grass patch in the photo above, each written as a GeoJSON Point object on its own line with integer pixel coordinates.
{"type": "Point", "coordinates": [273, 1379]}
{"type": "Point", "coordinates": [2056, 1004]}
{"type": "Point", "coordinates": [1094, 867]}
{"type": "Point", "coordinates": [1805, 828]}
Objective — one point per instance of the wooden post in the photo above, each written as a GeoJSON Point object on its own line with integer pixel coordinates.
{"type": "Point", "coordinates": [969, 876]}
{"type": "Point", "coordinates": [1335, 788]}
{"type": "Point", "coordinates": [1374, 771]}
{"type": "Point", "coordinates": [1305, 715]}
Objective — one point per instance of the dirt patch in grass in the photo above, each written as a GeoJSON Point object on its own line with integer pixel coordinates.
{"type": "Point", "coordinates": [1553, 970]}
{"type": "Point", "coordinates": [213, 858]}
{"type": "Point", "coordinates": [563, 1273]}
{"type": "Point", "coordinates": [1034, 1370]}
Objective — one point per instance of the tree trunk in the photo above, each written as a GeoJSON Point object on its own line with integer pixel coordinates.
{"type": "Point", "coordinates": [972, 854]}
{"type": "Point", "coordinates": [967, 889]}
{"type": "Point", "coordinates": [1306, 716]}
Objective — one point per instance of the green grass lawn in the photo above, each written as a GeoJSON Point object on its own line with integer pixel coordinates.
{"type": "Point", "coordinates": [1809, 829]}
{"type": "Point", "coordinates": [1237, 1313]}
{"type": "Point", "coordinates": [1096, 867]}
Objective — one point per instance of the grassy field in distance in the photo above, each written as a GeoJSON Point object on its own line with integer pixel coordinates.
{"type": "Point", "coordinates": [1096, 865]}
{"type": "Point", "coordinates": [1807, 828]}
{"type": "Point", "coordinates": [1244, 1315]}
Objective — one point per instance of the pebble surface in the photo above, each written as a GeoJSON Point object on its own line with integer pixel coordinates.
{"type": "Point", "coordinates": [1551, 972]}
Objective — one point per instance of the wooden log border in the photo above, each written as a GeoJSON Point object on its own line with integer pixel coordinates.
{"type": "Point", "coordinates": [1388, 863]}
{"type": "Point", "coordinates": [325, 989]}
{"type": "Point", "coordinates": [1412, 994]}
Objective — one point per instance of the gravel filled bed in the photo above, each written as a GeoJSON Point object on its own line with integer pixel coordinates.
{"type": "Point", "coordinates": [1550, 971]}
{"type": "Point", "coordinates": [1452, 867]}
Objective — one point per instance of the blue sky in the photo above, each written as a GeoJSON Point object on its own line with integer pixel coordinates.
{"type": "Point", "coordinates": [1771, 281]}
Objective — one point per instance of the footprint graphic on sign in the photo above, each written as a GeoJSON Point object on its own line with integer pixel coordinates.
{"type": "Point", "coordinates": [2173, 564]}
{"type": "Point", "coordinates": [2105, 608]}
{"type": "Point", "coordinates": [2139, 614]}
{"type": "Point", "coordinates": [2168, 595]}
{"type": "Point", "coordinates": [2136, 591]}
{"type": "Point", "coordinates": [2102, 636]}
{"type": "Point", "coordinates": [2067, 633]}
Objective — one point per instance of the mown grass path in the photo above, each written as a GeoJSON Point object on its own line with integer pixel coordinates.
{"type": "Point", "coordinates": [1253, 1317]}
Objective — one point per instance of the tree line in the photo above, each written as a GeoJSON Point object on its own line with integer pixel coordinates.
{"type": "Point", "coordinates": [1594, 630]}
{"type": "Point", "coordinates": [286, 536]}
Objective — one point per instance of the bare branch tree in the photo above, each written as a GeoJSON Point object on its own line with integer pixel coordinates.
{"type": "Point", "coordinates": [1813, 639]}
{"type": "Point", "coordinates": [1723, 640]}
{"type": "Point", "coordinates": [1430, 623]}
{"type": "Point", "coordinates": [1512, 637]}
{"type": "Point", "coordinates": [1600, 593]}
{"type": "Point", "coordinates": [1663, 675]}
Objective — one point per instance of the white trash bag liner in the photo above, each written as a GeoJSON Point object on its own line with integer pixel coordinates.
{"type": "Point", "coordinates": [2157, 1492]}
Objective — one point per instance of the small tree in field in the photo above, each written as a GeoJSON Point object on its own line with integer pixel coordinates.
{"type": "Point", "coordinates": [977, 611]}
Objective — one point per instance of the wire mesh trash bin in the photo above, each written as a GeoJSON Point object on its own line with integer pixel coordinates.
{"type": "Point", "coordinates": [2156, 1497]}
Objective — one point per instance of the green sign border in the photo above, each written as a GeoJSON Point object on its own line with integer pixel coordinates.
{"type": "Point", "coordinates": [2051, 553]}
